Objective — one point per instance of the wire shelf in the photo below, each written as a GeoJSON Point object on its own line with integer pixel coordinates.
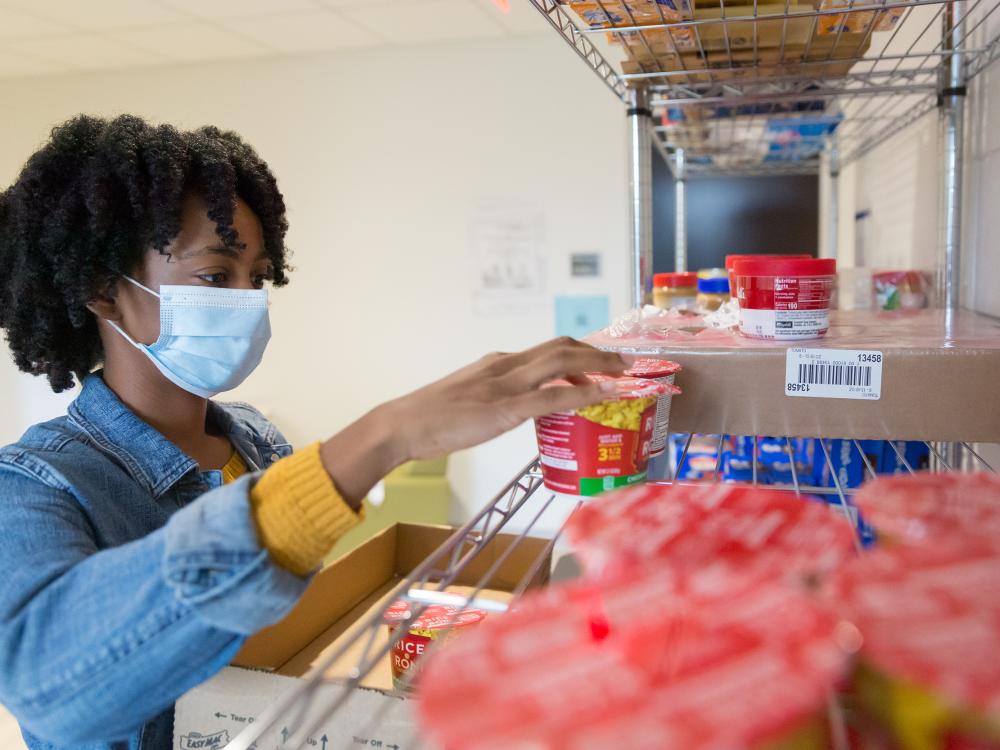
{"type": "Point", "coordinates": [307, 706]}
{"type": "Point", "coordinates": [741, 85]}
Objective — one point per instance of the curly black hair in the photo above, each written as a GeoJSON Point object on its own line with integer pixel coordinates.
{"type": "Point", "coordinates": [86, 208]}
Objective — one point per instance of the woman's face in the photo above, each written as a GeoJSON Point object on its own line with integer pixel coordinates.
{"type": "Point", "coordinates": [196, 257]}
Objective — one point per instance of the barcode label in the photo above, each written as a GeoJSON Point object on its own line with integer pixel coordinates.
{"type": "Point", "coordinates": [833, 373]}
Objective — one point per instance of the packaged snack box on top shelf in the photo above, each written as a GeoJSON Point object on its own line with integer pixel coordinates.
{"type": "Point", "coordinates": [763, 33]}
{"type": "Point", "coordinates": [856, 21]}
{"type": "Point", "coordinates": [658, 660]}
{"type": "Point", "coordinates": [610, 13]}
{"type": "Point", "coordinates": [828, 56]}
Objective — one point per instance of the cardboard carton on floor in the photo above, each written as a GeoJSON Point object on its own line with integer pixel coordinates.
{"type": "Point", "coordinates": [339, 600]}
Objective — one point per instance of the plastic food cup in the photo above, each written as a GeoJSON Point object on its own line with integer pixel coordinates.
{"type": "Point", "coordinates": [731, 261]}
{"type": "Point", "coordinates": [662, 371]}
{"type": "Point", "coordinates": [435, 622]}
{"type": "Point", "coordinates": [600, 447]}
{"type": "Point", "coordinates": [785, 299]}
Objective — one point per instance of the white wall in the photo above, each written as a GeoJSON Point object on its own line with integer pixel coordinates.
{"type": "Point", "coordinates": [899, 183]}
{"type": "Point", "coordinates": [981, 258]}
{"type": "Point", "coordinates": [384, 157]}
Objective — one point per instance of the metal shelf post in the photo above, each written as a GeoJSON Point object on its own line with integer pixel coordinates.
{"type": "Point", "coordinates": [952, 99]}
{"type": "Point", "coordinates": [953, 133]}
{"type": "Point", "coordinates": [641, 195]}
{"type": "Point", "coordinates": [680, 211]}
{"type": "Point", "coordinates": [833, 230]}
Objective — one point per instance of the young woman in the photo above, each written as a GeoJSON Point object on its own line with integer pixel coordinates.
{"type": "Point", "coordinates": [150, 530]}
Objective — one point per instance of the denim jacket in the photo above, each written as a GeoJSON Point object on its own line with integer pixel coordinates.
{"type": "Point", "coordinates": [130, 576]}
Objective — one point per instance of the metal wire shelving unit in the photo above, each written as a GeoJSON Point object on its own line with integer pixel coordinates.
{"type": "Point", "coordinates": [748, 88]}
{"type": "Point", "coordinates": [302, 710]}
{"type": "Point", "coordinates": [725, 95]}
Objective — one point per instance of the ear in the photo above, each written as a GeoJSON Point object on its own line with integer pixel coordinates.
{"type": "Point", "coordinates": [105, 304]}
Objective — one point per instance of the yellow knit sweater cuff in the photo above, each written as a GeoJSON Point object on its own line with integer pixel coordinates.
{"type": "Point", "coordinates": [298, 511]}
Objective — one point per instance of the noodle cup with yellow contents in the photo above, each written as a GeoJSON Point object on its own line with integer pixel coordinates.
{"type": "Point", "coordinates": [600, 447]}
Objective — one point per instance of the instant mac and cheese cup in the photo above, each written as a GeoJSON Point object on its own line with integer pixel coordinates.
{"type": "Point", "coordinates": [434, 623]}
{"type": "Point", "coordinates": [663, 371]}
{"type": "Point", "coordinates": [600, 447]}
{"type": "Point", "coordinates": [785, 299]}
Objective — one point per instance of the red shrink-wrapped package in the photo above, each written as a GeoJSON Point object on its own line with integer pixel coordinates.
{"type": "Point", "coordinates": [692, 526]}
{"type": "Point", "coordinates": [933, 508]}
{"type": "Point", "coordinates": [929, 620]}
{"type": "Point", "coordinates": [664, 660]}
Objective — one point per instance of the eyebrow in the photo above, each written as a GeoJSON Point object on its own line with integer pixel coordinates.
{"type": "Point", "coordinates": [233, 251]}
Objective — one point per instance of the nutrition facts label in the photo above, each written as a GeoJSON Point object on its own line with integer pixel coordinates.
{"type": "Point", "coordinates": [834, 373]}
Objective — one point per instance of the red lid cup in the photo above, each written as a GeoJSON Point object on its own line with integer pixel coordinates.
{"type": "Point", "coordinates": [434, 617]}
{"type": "Point", "coordinates": [627, 388]}
{"type": "Point", "coordinates": [675, 280]}
{"type": "Point", "coordinates": [731, 259]}
{"type": "Point", "coordinates": [652, 368]}
{"type": "Point", "coordinates": [785, 267]}
{"type": "Point", "coordinates": [398, 612]}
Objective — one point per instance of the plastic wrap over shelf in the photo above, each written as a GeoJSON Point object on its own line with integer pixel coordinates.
{"type": "Point", "coordinates": [938, 381]}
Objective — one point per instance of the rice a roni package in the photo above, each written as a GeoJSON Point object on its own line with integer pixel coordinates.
{"type": "Point", "coordinates": [929, 620]}
{"type": "Point", "coordinates": [657, 660]}
{"type": "Point", "coordinates": [933, 508]}
{"type": "Point", "coordinates": [697, 525]}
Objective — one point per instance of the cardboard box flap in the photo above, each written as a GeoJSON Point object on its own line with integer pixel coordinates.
{"type": "Point", "coordinates": [358, 579]}
{"type": "Point", "coordinates": [333, 591]}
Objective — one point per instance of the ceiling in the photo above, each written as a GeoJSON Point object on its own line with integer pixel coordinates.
{"type": "Point", "coordinates": [44, 37]}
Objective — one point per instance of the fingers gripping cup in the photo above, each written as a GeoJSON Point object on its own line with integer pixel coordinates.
{"type": "Point", "coordinates": [662, 371]}
{"type": "Point", "coordinates": [600, 447]}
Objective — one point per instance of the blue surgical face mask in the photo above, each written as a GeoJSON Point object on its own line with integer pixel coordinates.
{"type": "Point", "coordinates": [210, 339]}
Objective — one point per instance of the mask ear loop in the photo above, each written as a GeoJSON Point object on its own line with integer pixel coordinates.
{"type": "Point", "coordinates": [141, 286]}
{"type": "Point", "coordinates": [114, 325]}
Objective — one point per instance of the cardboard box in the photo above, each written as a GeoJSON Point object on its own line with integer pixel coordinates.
{"type": "Point", "coordinates": [740, 34]}
{"type": "Point", "coordinates": [935, 385]}
{"type": "Point", "coordinates": [338, 600]}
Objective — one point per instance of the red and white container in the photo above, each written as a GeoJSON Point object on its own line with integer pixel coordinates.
{"type": "Point", "coordinates": [434, 623]}
{"type": "Point", "coordinates": [731, 262]}
{"type": "Point", "coordinates": [655, 659]}
{"type": "Point", "coordinates": [663, 371]}
{"type": "Point", "coordinates": [785, 299]}
{"type": "Point", "coordinates": [600, 447]}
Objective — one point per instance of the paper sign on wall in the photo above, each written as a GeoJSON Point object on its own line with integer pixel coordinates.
{"type": "Point", "coordinates": [508, 263]}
